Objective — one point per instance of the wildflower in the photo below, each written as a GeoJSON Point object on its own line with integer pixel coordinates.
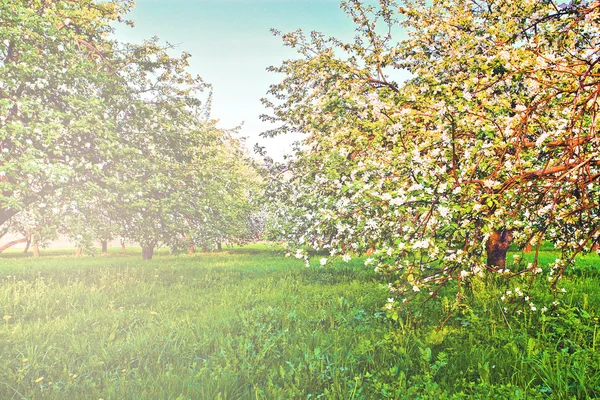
{"type": "Point", "coordinates": [323, 261]}
{"type": "Point", "coordinates": [346, 258]}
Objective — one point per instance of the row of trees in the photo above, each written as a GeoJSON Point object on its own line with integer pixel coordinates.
{"type": "Point", "coordinates": [492, 141]}
{"type": "Point", "coordinates": [102, 139]}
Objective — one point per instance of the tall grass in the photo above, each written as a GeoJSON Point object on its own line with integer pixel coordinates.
{"type": "Point", "coordinates": [248, 323]}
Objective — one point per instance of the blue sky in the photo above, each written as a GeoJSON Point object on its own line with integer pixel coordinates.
{"type": "Point", "coordinates": [231, 47]}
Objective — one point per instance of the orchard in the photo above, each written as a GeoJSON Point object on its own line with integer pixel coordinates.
{"type": "Point", "coordinates": [111, 139]}
{"type": "Point", "coordinates": [433, 233]}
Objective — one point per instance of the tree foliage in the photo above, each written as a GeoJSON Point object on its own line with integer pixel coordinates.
{"type": "Point", "coordinates": [116, 135]}
{"type": "Point", "coordinates": [492, 141]}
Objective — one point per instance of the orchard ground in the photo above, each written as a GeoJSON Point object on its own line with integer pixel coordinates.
{"type": "Point", "coordinates": [249, 323]}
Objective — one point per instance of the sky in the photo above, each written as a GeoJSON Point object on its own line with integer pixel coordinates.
{"type": "Point", "coordinates": [231, 47]}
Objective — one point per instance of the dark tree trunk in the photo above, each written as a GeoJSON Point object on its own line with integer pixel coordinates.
{"type": "Point", "coordinates": [11, 244]}
{"type": "Point", "coordinates": [27, 244]}
{"type": "Point", "coordinates": [104, 246]}
{"type": "Point", "coordinates": [496, 248]}
{"type": "Point", "coordinates": [219, 246]}
{"type": "Point", "coordinates": [78, 250]}
{"type": "Point", "coordinates": [148, 252]}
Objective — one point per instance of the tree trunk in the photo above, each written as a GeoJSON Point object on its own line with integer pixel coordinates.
{"type": "Point", "coordinates": [496, 247]}
{"type": "Point", "coordinates": [78, 250]}
{"type": "Point", "coordinates": [27, 244]}
{"type": "Point", "coordinates": [104, 246]}
{"type": "Point", "coordinates": [123, 246]}
{"type": "Point", "coordinates": [191, 249]}
{"type": "Point", "coordinates": [148, 252]}
{"type": "Point", "coordinates": [219, 246]}
{"type": "Point", "coordinates": [11, 244]}
{"type": "Point", "coordinates": [36, 249]}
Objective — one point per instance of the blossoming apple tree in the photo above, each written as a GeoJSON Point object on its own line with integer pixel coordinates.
{"type": "Point", "coordinates": [114, 134]}
{"type": "Point", "coordinates": [491, 141]}
{"type": "Point", "coordinates": [53, 64]}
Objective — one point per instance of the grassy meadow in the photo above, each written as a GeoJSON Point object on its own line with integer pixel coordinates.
{"type": "Point", "coordinates": [248, 323]}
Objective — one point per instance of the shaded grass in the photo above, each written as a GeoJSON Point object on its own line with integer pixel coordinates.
{"type": "Point", "coordinates": [248, 323]}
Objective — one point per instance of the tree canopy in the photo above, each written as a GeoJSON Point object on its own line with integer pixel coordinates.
{"type": "Point", "coordinates": [114, 135]}
{"type": "Point", "coordinates": [492, 141]}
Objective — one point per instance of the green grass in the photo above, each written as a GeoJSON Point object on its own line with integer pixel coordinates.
{"type": "Point", "coordinates": [248, 323]}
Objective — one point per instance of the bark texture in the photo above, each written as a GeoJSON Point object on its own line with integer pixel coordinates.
{"type": "Point", "coordinates": [496, 248]}
{"type": "Point", "coordinates": [147, 252]}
